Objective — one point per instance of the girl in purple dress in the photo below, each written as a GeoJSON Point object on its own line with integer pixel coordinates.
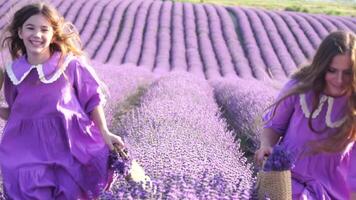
{"type": "Point", "coordinates": [55, 143]}
{"type": "Point", "coordinates": [315, 117]}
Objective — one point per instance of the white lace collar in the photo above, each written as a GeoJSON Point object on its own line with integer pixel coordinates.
{"type": "Point", "coordinates": [322, 101]}
{"type": "Point", "coordinates": [48, 72]}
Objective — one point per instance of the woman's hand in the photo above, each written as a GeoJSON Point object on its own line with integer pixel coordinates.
{"type": "Point", "coordinates": [269, 138]}
{"type": "Point", "coordinates": [113, 140]}
{"type": "Point", "coordinates": [261, 153]}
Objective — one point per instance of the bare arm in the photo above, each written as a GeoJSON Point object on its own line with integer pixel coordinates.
{"type": "Point", "coordinates": [4, 113]}
{"type": "Point", "coordinates": [1, 78]}
{"type": "Point", "coordinates": [268, 139]}
{"type": "Point", "coordinates": [353, 196]}
{"type": "Point", "coordinates": [98, 116]}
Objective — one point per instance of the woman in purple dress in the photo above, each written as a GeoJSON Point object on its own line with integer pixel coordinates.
{"type": "Point", "coordinates": [55, 143]}
{"type": "Point", "coordinates": [315, 117]}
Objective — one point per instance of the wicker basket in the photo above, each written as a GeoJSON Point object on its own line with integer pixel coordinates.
{"type": "Point", "coordinates": [276, 185]}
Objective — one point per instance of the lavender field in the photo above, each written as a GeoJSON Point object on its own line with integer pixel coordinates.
{"type": "Point", "coordinates": [188, 83]}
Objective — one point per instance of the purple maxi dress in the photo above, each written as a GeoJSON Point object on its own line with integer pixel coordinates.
{"type": "Point", "coordinates": [324, 175]}
{"type": "Point", "coordinates": [50, 148]}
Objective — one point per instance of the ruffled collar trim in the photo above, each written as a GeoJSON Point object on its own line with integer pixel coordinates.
{"type": "Point", "coordinates": [322, 101]}
{"type": "Point", "coordinates": [48, 72]}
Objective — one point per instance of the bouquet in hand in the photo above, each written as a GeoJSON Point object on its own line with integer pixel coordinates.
{"type": "Point", "coordinates": [280, 160]}
{"type": "Point", "coordinates": [121, 163]}
{"type": "Point", "coordinates": [274, 181]}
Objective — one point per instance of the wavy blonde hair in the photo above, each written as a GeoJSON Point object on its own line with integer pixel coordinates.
{"type": "Point", "coordinates": [311, 77]}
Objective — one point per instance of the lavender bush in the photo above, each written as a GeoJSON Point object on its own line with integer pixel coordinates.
{"type": "Point", "coordinates": [124, 85]}
{"type": "Point", "coordinates": [219, 42]}
{"type": "Point", "coordinates": [164, 44]}
{"type": "Point", "coordinates": [103, 52]}
{"type": "Point", "coordinates": [179, 61]}
{"type": "Point", "coordinates": [243, 102]}
{"type": "Point", "coordinates": [288, 38]}
{"type": "Point", "coordinates": [166, 36]}
{"type": "Point", "coordinates": [274, 67]}
{"type": "Point", "coordinates": [176, 186]}
{"type": "Point", "coordinates": [133, 50]}
{"type": "Point", "coordinates": [149, 47]}
{"type": "Point", "coordinates": [249, 44]}
{"type": "Point", "coordinates": [108, 27]}
{"type": "Point", "coordinates": [177, 130]}
{"type": "Point", "coordinates": [277, 42]}
{"type": "Point", "coordinates": [194, 60]}
{"type": "Point", "coordinates": [209, 41]}
{"type": "Point", "coordinates": [299, 34]}
{"type": "Point", "coordinates": [238, 57]}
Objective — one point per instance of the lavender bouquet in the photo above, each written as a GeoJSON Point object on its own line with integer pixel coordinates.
{"type": "Point", "coordinates": [281, 159]}
{"type": "Point", "coordinates": [274, 181]}
{"type": "Point", "coordinates": [124, 166]}
{"type": "Point", "coordinates": [2, 195]}
{"type": "Point", "coordinates": [118, 164]}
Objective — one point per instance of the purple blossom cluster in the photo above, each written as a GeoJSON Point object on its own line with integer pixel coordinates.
{"type": "Point", "coordinates": [243, 103]}
{"type": "Point", "coordinates": [238, 57]}
{"type": "Point", "coordinates": [2, 195]}
{"type": "Point", "coordinates": [273, 65]}
{"type": "Point", "coordinates": [177, 186]}
{"type": "Point", "coordinates": [249, 44]}
{"type": "Point", "coordinates": [281, 159]}
{"type": "Point", "coordinates": [173, 124]}
{"type": "Point", "coordinates": [177, 129]}
{"type": "Point", "coordinates": [278, 45]}
{"type": "Point", "coordinates": [164, 42]}
{"type": "Point", "coordinates": [299, 34]}
{"type": "Point", "coordinates": [194, 60]}
{"type": "Point", "coordinates": [121, 166]}
{"type": "Point", "coordinates": [208, 40]}
{"type": "Point", "coordinates": [123, 84]}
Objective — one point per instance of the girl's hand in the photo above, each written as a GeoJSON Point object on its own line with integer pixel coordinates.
{"type": "Point", "coordinates": [113, 140]}
{"type": "Point", "coordinates": [353, 196]}
{"type": "Point", "coordinates": [261, 153]}
{"type": "Point", "coordinates": [4, 113]}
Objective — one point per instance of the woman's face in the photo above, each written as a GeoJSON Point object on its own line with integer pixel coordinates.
{"type": "Point", "coordinates": [339, 75]}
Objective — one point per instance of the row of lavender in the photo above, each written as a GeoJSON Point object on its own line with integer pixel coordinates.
{"type": "Point", "coordinates": [177, 133]}
{"type": "Point", "coordinates": [207, 40]}
{"type": "Point", "coordinates": [175, 130]}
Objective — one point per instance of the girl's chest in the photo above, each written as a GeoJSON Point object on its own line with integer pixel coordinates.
{"type": "Point", "coordinates": [32, 89]}
{"type": "Point", "coordinates": [302, 129]}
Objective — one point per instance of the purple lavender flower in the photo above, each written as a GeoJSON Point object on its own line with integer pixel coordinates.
{"type": "Point", "coordinates": [177, 186]}
{"type": "Point", "coordinates": [177, 129]}
{"type": "Point", "coordinates": [118, 164]}
{"type": "Point", "coordinates": [281, 159]}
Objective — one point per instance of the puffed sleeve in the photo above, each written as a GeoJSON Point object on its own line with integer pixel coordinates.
{"type": "Point", "coordinates": [283, 112]}
{"type": "Point", "coordinates": [87, 86]}
{"type": "Point", "coordinates": [10, 91]}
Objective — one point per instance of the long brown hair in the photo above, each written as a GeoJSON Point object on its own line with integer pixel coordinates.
{"type": "Point", "coordinates": [65, 37]}
{"type": "Point", "coordinates": [311, 77]}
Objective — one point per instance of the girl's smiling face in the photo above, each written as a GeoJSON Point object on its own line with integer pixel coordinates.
{"type": "Point", "coordinates": [339, 75]}
{"type": "Point", "coordinates": [36, 34]}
